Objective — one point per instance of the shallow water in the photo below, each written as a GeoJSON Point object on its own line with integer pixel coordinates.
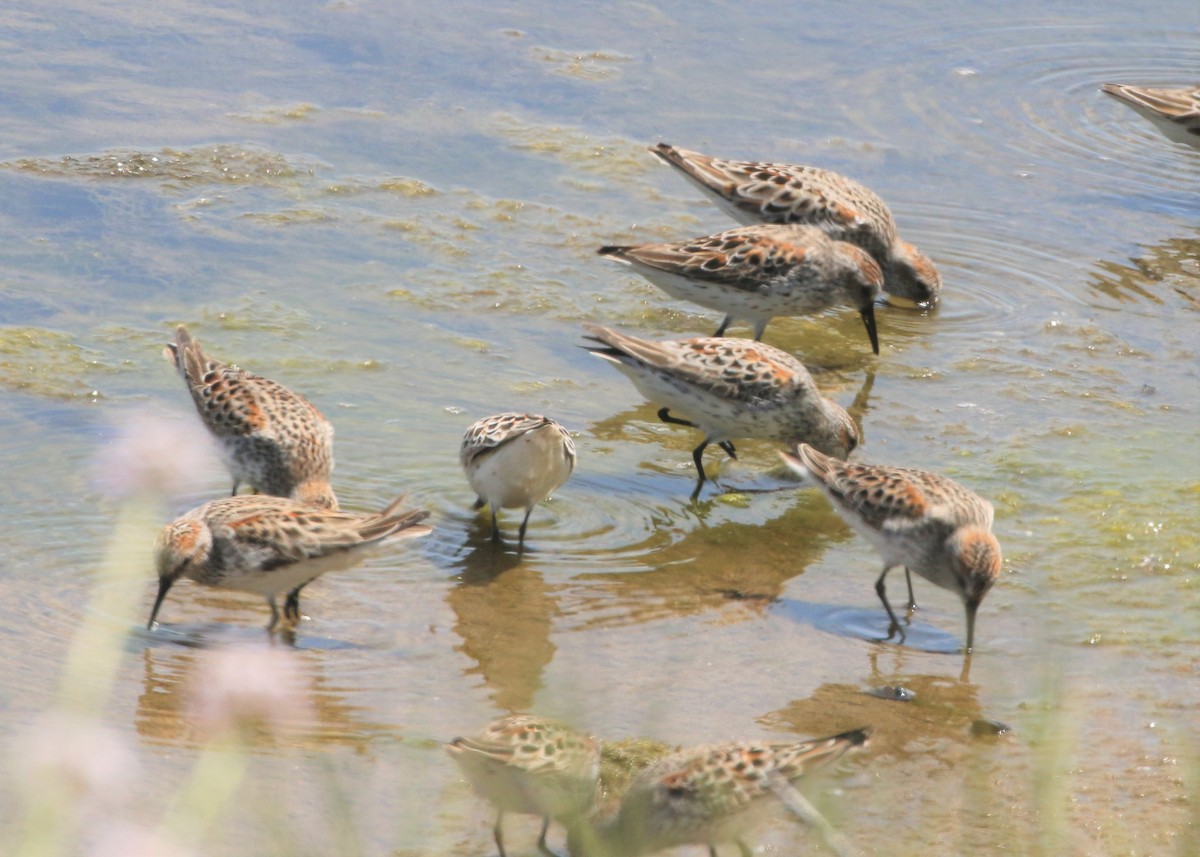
{"type": "Point", "coordinates": [394, 208]}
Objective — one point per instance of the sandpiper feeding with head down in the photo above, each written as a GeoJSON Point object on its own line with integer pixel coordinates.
{"type": "Point", "coordinates": [526, 764]}
{"type": "Point", "coordinates": [728, 388]}
{"type": "Point", "coordinates": [920, 520]}
{"type": "Point", "coordinates": [705, 796]}
{"type": "Point", "coordinates": [268, 436]}
{"type": "Point", "coordinates": [846, 210]}
{"type": "Point", "coordinates": [759, 272]}
{"type": "Point", "coordinates": [515, 461]}
{"type": "Point", "coordinates": [271, 545]}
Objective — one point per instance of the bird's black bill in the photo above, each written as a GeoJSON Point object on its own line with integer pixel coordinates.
{"type": "Point", "coordinates": [164, 586]}
{"type": "Point", "coordinates": [868, 317]}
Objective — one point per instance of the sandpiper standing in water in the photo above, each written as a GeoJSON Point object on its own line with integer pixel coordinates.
{"type": "Point", "coordinates": [759, 272]}
{"type": "Point", "coordinates": [760, 192]}
{"type": "Point", "coordinates": [515, 461]}
{"type": "Point", "coordinates": [728, 388]}
{"type": "Point", "coordinates": [922, 521]}
{"type": "Point", "coordinates": [269, 437]}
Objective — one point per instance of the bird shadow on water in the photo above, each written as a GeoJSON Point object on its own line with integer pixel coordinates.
{"type": "Point", "coordinates": [871, 625]}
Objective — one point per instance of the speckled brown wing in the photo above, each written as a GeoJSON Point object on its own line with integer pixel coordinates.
{"type": "Point", "coordinates": [269, 436]}
{"type": "Point", "coordinates": [744, 258]}
{"type": "Point", "coordinates": [267, 532]}
{"type": "Point", "coordinates": [734, 369]}
{"type": "Point", "coordinates": [492, 432]}
{"type": "Point", "coordinates": [896, 498]}
{"type": "Point", "coordinates": [233, 401]}
{"type": "Point", "coordinates": [787, 193]}
{"type": "Point", "coordinates": [710, 782]}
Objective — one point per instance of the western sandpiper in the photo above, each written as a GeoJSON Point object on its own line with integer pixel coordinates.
{"type": "Point", "coordinates": [516, 461]}
{"type": "Point", "coordinates": [269, 437]}
{"type": "Point", "coordinates": [705, 796]}
{"type": "Point", "coordinates": [271, 545]}
{"type": "Point", "coordinates": [530, 765]}
{"type": "Point", "coordinates": [1174, 112]}
{"type": "Point", "coordinates": [756, 192]}
{"type": "Point", "coordinates": [728, 388]}
{"type": "Point", "coordinates": [919, 520]}
{"type": "Point", "coordinates": [759, 272]}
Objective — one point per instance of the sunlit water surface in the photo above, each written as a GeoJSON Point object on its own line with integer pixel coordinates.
{"type": "Point", "coordinates": [394, 208]}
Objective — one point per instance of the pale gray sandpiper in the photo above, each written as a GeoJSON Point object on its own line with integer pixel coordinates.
{"type": "Point", "coordinates": [1174, 112]}
{"type": "Point", "coordinates": [515, 461]}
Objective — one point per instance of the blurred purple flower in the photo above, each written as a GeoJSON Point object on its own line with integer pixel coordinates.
{"type": "Point", "coordinates": [244, 690]}
{"type": "Point", "coordinates": [152, 453]}
{"type": "Point", "coordinates": [121, 839]}
{"type": "Point", "coordinates": [84, 764]}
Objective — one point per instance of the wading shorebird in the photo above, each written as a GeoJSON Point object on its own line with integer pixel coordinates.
{"type": "Point", "coordinates": [846, 210]}
{"type": "Point", "coordinates": [269, 437]}
{"type": "Point", "coordinates": [759, 272]}
{"type": "Point", "coordinates": [916, 519]}
{"type": "Point", "coordinates": [272, 545]}
{"type": "Point", "coordinates": [1174, 112]}
{"type": "Point", "coordinates": [532, 766]}
{"type": "Point", "coordinates": [515, 461]}
{"type": "Point", "coordinates": [728, 388]}
{"type": "Point", "coordinates": [705, 796]}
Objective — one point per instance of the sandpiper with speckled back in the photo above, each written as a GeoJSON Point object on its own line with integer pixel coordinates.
{"type": "Point", "coordinates": [530, 765]}
{"type": "Point", "coordinates": [271, 545]}
{"type": "Point", "coordinates": [728, 388]}
{"type": "Point", "coordinates": [705, 796]}
{"type": "Point", "coordinates": [759, 272]}
{"type": "Point", "coordinates": [846, 210]}
{"type": "Point", "coordinates": [1174, 112]}
{"type": "Point", "coordinates": [269, 437]}
{"type": "Point", "coordinates": [922, 521]}
{"type": "Point", "coordinates": [515, 461]}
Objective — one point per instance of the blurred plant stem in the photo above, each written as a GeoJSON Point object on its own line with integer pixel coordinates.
{"type": "Point", "coordinates": [99, 644]}
{"type": "Point", "coordinates": [215, 780]}
{"type": "Point", "coordinates": [51, 814]}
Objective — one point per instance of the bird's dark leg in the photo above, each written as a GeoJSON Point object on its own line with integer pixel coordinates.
{"type": "Point", "coordinates": [521, 537]}
{"type": "Point", "coordinates": [542, 839]}
{"type": "Point", "coordinates": [497, 834]}
{"type": "Point", "coordinates": [727, 445]}
{"type": "Point", "coordinates": [291, 607]}
{"type": "Point", "coordinates": [233, 493]}
{"type": "Point", "coordinates": [759, 329]}
{"type": "Point", "coordinates": [495, 527]}
{"type": "Point", "coordinates": [698, 457]}
{"type": "Point", "coordinates": [274, 613]}
{"type": "Point", "coordinates": [912, 602]}
{"type": "Point", "coordinates": [881, 591]}
{"type": "Point", "coordinates": [724, 325]}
